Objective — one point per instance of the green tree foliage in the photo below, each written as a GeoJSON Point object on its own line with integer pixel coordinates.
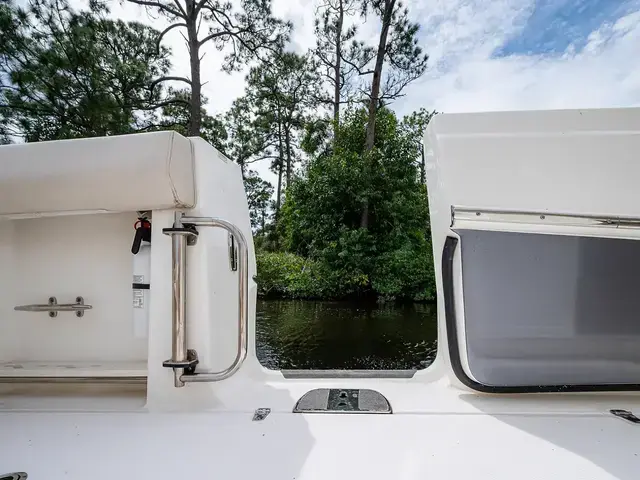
{"type": "Point", "coordinates": [415, 124]}
{"type": "Point", "coordinates": [244, 33]}
{"type": "Point", "coordinates": [259, 193]}
{"type": "Point", "coordinates": [321, 215]}
{"type": "Point", "coordinates": [66, 74]}
{"type": "Point", "coordinates": [250, 138]}
{"type": "Point", "coordinates": [281, 94]}
{"type": "Point", "coordinates": [287, 275]}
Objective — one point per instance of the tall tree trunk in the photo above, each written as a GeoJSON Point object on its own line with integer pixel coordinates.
{"type": "Point", "coordinates": [373, 102]}
{"type": "Point", "coordinates": [195, 113]}
{"type": "Point", "coordinates": [279, 189]}
{"type": "Point", "coordinates": [423, 175]}
{"type": "Point", "coordinates": [337, 67]}
{"type": "Point", "coordinates": [280, 162]}
{"type": "Point", "coordinates": [377, 74]}
{"type": "Point", "coordinates": [287, 142]}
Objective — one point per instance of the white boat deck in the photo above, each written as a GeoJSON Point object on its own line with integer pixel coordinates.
{"type": "Point", "coordinates": [434, 432]}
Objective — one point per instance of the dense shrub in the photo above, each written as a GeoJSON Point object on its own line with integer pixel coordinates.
{"type": "Point", "coordinates": [320, 218]}
{"type": "Point", "coordinates": [287, 275]}
{"type": "Point", "coordinates": [406, 273]}
{"type": "Point", "coordinates": [329, 254]}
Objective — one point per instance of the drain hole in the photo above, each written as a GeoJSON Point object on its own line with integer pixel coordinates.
{"type": "Point", "coordinates": [343, 394]}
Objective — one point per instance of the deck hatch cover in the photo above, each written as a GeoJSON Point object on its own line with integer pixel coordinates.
{"type": "Point", "coordinates": [342, 400]}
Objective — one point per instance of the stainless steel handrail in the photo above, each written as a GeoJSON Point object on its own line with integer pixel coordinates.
{"type": "Point", "coordinates": [243, 299]}
{"type": "Point", "coordinates": [180, 355]}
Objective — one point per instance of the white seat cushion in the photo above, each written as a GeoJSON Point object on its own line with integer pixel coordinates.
{"type": "Point", "coordinates": [122, 173]}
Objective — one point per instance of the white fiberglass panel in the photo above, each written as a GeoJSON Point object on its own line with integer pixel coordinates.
{"type": "Point", "coordinates": [65, 257]}
{"type": "Point", "coordinates": [121, 173]}
{"type": "Point", "coordinates": [575, 162]}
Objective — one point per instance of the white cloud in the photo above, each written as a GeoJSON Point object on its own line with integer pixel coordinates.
{"type": "Point", "coordinates": [301, 14]}
{"type": "Point", "coordinates": [454, 30]}
{"type": "Point", "coordinates": [465, 77]}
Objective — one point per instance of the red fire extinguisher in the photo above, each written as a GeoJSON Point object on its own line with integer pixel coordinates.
{"type": "Point", "coordinates": [141, 250]}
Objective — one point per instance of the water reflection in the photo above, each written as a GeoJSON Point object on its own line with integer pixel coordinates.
{"type": "Point", "coordinates": [338, 335]}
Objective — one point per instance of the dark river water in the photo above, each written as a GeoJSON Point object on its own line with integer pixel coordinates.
{"type": "Point", "coordinates": [339, 335]}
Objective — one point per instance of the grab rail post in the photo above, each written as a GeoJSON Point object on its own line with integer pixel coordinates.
{"type": "Point", "coordinates": [183, 361]}
{"type": "Point", "coordinates": [243, 300]}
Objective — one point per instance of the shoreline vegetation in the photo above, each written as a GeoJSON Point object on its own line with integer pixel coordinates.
{"type": "Point", "coordinates": [286, 276]}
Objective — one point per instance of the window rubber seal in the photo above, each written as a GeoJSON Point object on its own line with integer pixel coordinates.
{"type": "Point", "coordinates": [448, 253]}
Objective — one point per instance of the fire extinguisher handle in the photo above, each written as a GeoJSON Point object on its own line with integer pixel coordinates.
{"type": "Point", "coordinates": [137, 240]}
{"type": "Point", "coordinates": [143, 232]}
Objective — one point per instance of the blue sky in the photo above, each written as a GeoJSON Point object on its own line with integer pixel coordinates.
{"type": "Point", "coordinates": [553, 26]}
{"type": "Point", "coordinates": [528, 54]}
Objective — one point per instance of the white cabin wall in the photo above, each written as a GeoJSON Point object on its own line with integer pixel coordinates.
{"type": "Point", "coordinates": [572, 161]}
{"type": "Point", "coordinates": [160, 379]}
{"type": "Point", "coordinates": [439, 213]}
{"type": "Point", "coordinates": [66, 257]}
{"type": "Point", "coordinates": [225, 198]}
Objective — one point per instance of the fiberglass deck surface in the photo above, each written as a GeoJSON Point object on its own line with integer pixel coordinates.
{"type": "Point", "coordinates": [319, 446]}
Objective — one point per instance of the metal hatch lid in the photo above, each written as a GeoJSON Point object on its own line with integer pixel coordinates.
{"type": "Point", "coordinates": [342, 400]}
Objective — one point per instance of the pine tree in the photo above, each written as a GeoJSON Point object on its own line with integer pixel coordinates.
{"type": "Point", "coordinates": [246, 33]}
{"type": "Point", "coordinates": [398, 47]}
